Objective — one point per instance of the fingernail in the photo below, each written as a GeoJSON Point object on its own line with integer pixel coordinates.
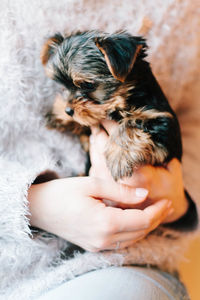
{"type": "Point", "coordinates": [141, 193]}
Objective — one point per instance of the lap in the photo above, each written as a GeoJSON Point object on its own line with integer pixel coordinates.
{"type": "Point", "coordinates": [120, 283]}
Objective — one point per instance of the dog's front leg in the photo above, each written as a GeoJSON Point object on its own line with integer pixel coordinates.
{"type": "Point", "coordinates": [131, 146]}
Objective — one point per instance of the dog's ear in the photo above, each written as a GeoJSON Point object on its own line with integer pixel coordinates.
{"type": "Point", "coordinates": [120, 52]}
{"type": "Point", "coordinates": [50, 47]}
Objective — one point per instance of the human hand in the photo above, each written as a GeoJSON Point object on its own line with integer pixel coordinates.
{"type": "Point", "coordinates": [73, 209]}
{"type": "Point", "coordinates": [162, 183]}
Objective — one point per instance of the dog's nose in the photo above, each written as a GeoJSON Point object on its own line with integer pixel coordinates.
{"type": "Point", "coordinates": [69, 111]}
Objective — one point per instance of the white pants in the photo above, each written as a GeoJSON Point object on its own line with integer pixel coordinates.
{"type": "Point", "coordinates": [120, 283]}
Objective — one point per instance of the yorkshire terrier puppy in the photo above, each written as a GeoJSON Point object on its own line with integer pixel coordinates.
{"type": "Point", "coordinates": [106, 76]}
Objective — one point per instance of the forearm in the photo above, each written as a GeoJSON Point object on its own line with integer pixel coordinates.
{"type": "Point", "coordinates": [44, 207]}
{"type": "Point", "coordinates": [37, 203]}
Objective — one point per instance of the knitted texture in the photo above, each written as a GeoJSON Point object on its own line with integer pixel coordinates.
{"type": "Point", "coordinates": [30, 263]}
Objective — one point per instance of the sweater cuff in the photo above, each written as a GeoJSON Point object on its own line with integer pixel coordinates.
{"type": "Point", "coordinates": [15, 181]}
{"type": "Point", "coordinates": [189, 221]}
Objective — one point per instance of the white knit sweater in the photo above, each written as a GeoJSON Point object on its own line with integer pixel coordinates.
{"type": "Point", "coordinates": [30, 262]}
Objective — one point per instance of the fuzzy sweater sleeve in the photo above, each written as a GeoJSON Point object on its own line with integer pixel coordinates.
{"type": "Point", "coordinates": [15, 181]}
{"type": "Point", "coordinates": [27, 147]}
{"type": "Point", "coordinates": [28, 162]}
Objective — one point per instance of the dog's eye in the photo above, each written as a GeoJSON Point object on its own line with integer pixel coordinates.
{"type": "Point", "coordinates": [87, 86]}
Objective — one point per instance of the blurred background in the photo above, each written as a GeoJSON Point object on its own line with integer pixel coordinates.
{"type": "Point", "coordinates": [190, 269]}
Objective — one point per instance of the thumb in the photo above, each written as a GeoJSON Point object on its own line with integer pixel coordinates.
{"type": "Point", "coordinates": [97, 147]}
{"type": "Point", "coordinates": [117, 192]}
{"type": "Point", "coordinates": [98, 140]}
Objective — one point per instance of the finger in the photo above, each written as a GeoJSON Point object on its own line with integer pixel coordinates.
{"type": "Point", "coordinates": [135, 219]}
{"type": "Point", "coordinates": [109, 189]}
{"type": "Point", "coordinates": [97, 158]}
{"type": "Point", "coordinates": [169, 217]}
{"type": "Point", "coordinates": [109, 125]}
{"type": "Point", "coordinates": [142, 176]}
{"type": "Point", "coordinates": [174, 165]}
{"type": "Point", "coordinates": [98, 141]}
{"type": "Point", "coordinates": [135, 235]}
{"type": "Point", "coordinates": [98, 167]}
{"type": "Point", "coordinates": [95, 129]}
{"type": "Point", "coordinates": [127, 239]}
{"type": "Point", "coordinates": [161, 220]}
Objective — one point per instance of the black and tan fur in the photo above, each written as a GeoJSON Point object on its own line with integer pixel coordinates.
{"type": "Point", "coordinates": [107, 77]}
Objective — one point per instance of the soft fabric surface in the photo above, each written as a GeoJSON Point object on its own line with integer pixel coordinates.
{"type": "Point", "coordinates": [30, 263]}
{"type": "Point", "coordinates": [120, 283]}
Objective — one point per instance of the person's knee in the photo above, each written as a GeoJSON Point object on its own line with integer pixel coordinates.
{"type": "Point", "coordinates": [121, 283]}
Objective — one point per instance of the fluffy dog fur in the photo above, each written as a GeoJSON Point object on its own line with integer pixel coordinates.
{"type": "Point", "coordinates": [107, 77]}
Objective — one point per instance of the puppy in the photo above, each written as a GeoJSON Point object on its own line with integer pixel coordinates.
{"type": "Point", "coordinates": [106, 76]}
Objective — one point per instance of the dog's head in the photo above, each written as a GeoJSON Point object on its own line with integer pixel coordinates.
{"type": "Point", "coordinates": [96, 70]}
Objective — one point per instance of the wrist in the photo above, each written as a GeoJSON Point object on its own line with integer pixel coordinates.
{"type": "Point", "coordinates": [37, 195]}
{"type": "Point", "coordinates": [33, 202]}
{"type": "Point", "coordinates": [37, 198]}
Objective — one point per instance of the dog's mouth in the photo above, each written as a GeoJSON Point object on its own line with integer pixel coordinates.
{"type": "Point", "coordinates": [89, 112]}
{"type": "Point", "coordinates": [85, 112]}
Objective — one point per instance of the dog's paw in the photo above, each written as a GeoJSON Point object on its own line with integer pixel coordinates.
{"type": "Point", "coordinates": [129, 149]}
{"type": "Point", "coordinates": [118, 161]}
